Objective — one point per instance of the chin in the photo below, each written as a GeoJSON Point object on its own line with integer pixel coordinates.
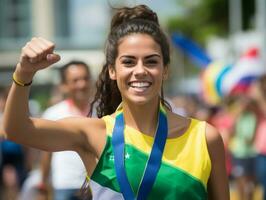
{"type": "Point", "coordinates": [82, 98]}
{"type": "Point", "coordinates": [140, 100]}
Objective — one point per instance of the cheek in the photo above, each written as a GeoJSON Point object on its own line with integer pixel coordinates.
{"type": "Point", "coordinates": [121, 80]}
{"type": "Point", "coordinates": [123, 73]}
{"type": "Point", "coordinates": [158, 73]}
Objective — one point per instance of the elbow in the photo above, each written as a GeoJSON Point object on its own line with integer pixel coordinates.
{"type": "Point", "coordinates": [2, 134]}
{"type": "Point", "coordinates": [10, 131]}
{"type": "Point", "coordinates": [17, 132]}
{"type": "Point", "coordinates": [7, 133]}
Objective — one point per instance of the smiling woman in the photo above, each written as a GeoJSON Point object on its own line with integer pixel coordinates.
{"type": "Point", "coordinates": [138, 148]}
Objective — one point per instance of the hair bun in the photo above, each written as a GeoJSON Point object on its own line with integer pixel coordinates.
{"type": "Point", "coordinates": [138, 12]}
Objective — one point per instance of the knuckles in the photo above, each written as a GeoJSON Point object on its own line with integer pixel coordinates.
{"type": "Point", "coordinates": [37, 47]}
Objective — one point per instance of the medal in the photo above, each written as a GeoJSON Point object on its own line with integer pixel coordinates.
{"type": "Point", "coordinates": [154, 161]}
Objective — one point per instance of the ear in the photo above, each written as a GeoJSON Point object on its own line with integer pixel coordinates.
{"type": "Point", "coordinates": [165, 72]}
{"type": "Point", "coordinates": [112, 72]}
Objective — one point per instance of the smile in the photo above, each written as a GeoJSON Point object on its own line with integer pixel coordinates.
{"type": "Point", "coordinates": [139, 84]}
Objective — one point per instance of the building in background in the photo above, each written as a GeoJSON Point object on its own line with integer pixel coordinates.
{"type": "Point", "coordinates": [77, 27]}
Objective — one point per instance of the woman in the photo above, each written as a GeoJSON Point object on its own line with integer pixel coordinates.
{"type": "Point", "coordinates": [118, 149]}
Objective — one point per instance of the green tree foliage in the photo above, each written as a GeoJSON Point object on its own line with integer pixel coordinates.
{"type": "Point", "coordinates": [203, 18]}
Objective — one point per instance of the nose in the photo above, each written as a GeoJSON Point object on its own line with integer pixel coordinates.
{"type": "Point", "coordinates": [82, 83]}
{"type": "Point", "coordinates": [139, 69]}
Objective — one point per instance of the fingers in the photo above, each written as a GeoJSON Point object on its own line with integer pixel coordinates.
{"type": "Point", "coordinates": [50, 59]}
{"type": "Point", "coordinates": [37, 50]}
{"type": "Point", "coordinates": [53, 58]}
{"type": "Point", "coordinates": [47, 43]}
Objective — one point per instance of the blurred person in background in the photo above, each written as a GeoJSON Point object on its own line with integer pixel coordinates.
{"type": "Point", "coordinates": [177, 104]}
{"type": "Point", "coordinates": [2, 101]}
{"type": "Point", "coordinates": [66, 168]}
{"type": "Point", "coordinates": [3, 95]}
{"type": "Point", "coordinates": [57, 95]}
{"type": "Point", "coordinates": [191, 105]}
{"type": "Point", "coordinates": [13, 168]}
{"type": "Point", "coordinates": [30, 189]}
{"type": "Point", "coordinates": [258, 93]}
{"type": "Point", "coordinates": [224, 120]}
{"type": "Point", "coordinates": [242, 147]}
{"type": "Point", "coordinates": [188, 105]}
{"type": "Point", "coordinates": [2, 105]}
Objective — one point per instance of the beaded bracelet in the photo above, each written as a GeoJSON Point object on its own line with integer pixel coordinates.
{"type": "Point", "coordinates": [20, 83]}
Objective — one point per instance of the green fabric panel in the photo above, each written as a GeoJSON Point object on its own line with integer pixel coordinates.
{"type": "Point", "coordinates": [104, 173]}
{"type": "Point", "coordinates": [171, 183]}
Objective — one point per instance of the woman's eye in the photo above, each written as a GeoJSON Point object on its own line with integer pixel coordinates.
{"type": "Point", "coordinates": [128, 62]}
{"type": "Point", "coordinates": [151, 62]}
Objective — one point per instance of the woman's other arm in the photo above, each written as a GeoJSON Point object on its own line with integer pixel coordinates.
{"type": "Point", "coordinates": [218, 186]}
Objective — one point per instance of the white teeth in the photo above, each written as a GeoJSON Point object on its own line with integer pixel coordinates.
{"type": "Point", "coordinates": [139, 84]}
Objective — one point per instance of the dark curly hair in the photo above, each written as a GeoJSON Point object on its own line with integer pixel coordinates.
{"type": "Point", "coordinates": [126, 21]}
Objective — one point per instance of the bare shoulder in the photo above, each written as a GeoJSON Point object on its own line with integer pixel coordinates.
{"type": "Point", "coordinates": [94, 127]}
{"type": "Point", "coordinates": [215, 144]}
{"type": "Point", "coordinates": [213, 137]}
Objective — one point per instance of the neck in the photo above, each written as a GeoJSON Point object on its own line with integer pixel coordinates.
{"type": "Point", "coordinates": [143, 117]}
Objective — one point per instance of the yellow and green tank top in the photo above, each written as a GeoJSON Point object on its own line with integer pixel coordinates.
{"type": "Point", "coordinates": [183, 174]}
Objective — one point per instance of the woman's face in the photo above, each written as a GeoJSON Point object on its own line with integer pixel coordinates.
{"type": "Point", "coordinates": [139, 69]}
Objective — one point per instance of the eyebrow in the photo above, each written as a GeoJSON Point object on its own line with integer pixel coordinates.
{"type": "Point", "coordinates": [146, 57]}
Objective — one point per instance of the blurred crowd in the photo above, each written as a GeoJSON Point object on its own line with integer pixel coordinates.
{"type": "Point", "coordinates": [240, 119]}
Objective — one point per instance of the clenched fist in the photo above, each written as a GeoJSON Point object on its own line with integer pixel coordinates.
{"type": "Point", "coordinates": [37, 54]}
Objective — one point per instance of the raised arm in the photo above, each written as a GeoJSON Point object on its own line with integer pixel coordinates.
{"type": "Point", "coordinates": [218, 186]}
{"type": "Point", "coordinates": [39, 133]}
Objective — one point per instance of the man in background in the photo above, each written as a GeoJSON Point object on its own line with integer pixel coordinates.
{"type": "Point", "coordinates": [66, 169]}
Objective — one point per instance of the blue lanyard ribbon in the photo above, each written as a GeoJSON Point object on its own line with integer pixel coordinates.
{"type": "Point", "coordinates": [153, 164]}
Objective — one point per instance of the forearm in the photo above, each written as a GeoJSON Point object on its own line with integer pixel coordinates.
{"type": "Point", "coordinates": [16, 115]}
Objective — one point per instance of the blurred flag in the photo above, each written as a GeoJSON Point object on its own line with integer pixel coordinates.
{"type": "Point", "coordinates": [220, 79]}
{"type": "Point", "coordinates": [245, 70]}
{"type": "Point", "coordinates": [212, 79]}
{"type": "Point", "coordinates": [190, 48]}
